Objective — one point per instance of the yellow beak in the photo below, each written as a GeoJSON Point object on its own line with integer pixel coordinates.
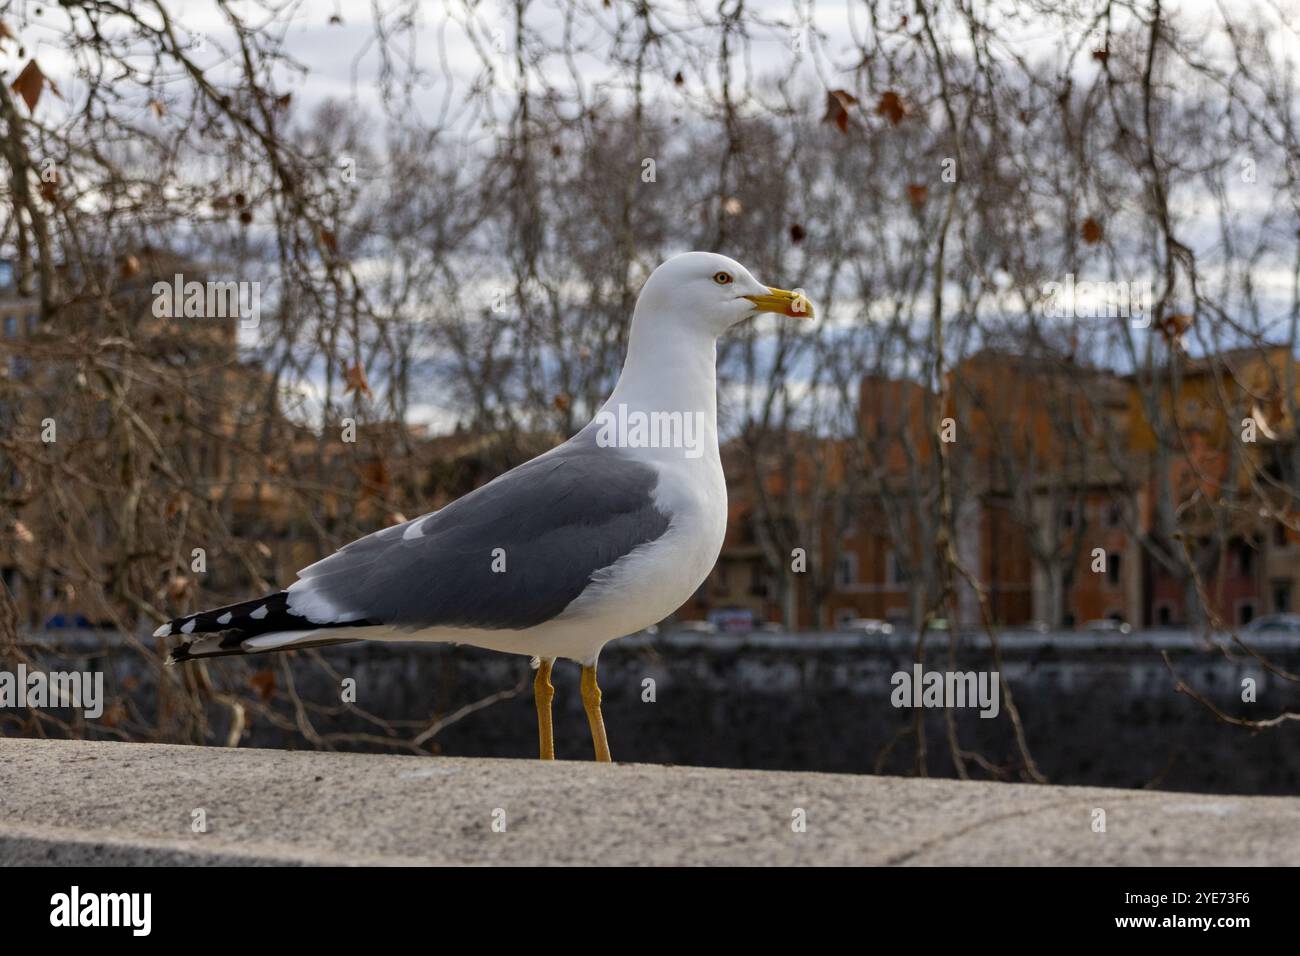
{"type": "Point", "coordinates": [783, 303]}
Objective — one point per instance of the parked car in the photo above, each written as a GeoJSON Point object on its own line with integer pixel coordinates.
{"type": "Point", "coordinates": [698, 627]}
{"type": "Point", "coordinates": [1108, 625]}
{"type": "Point", "coordinates": [868, 625]}
{"type": "Point", "coordinates": [1275, 624]}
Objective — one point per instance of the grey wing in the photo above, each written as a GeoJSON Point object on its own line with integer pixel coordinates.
{"type": "Point", "coordinates": [511, 554]}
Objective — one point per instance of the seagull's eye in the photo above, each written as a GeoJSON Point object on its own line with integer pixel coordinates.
{"type": "Point", "coordinates": [722, 278]}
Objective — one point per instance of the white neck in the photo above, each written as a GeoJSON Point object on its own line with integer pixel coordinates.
{"type": "Point", "coordinates": [668, 370]}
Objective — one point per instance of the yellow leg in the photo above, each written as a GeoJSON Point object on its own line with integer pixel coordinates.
{"type": "Point", "coordinates": [544, 694]}
{"type": "Point", "coordinates": [591, 701]}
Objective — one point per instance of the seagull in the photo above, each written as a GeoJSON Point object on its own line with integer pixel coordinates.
{"type": "Point", "coordinates": [596, 539]}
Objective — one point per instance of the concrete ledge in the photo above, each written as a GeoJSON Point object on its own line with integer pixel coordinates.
{"type": "Point", "coordinates": [79, 802]}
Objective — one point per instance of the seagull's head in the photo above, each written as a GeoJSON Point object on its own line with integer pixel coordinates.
{"type": "Point", "coordinates": [703, 290]}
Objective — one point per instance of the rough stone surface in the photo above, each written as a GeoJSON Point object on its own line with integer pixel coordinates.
{"type": "Point", "coordinates": [80, 802]}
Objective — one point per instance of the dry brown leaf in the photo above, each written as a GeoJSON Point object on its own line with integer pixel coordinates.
{"type": "Point", "coordinates": [917, 192]}
{"type": "Point", "coordinates": [158, 108]}
{"type": "Point", "coordinates": [561, 402]}
{"type": "Point", "coordinates": [129, 266]}
{"type": "Point", "coordinates": [329, 240]}
{"type": "Point", "coordinates": [5, 32]}
{"type": "Point", "coordinates": [1101, 55]}
{"type": "Point", "coordinates": [891, 105]}
{"type": "Point", "coordinates": [264, 683]}
{"type": "Point", "coordinates": [355, 378]}
{"type": "Point", "coordinates": [1091, 231]}
{"type": "Point", "coordinates": [797, 233]}
{"type": "Point", "coordinates": [31, 83]}
{"type": "Point", "coordinates": [837, 108]}
{"type": "Point", "coordinates": [1175, 326]}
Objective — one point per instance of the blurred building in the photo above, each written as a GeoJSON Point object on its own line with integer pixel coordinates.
{"type": "Point", "coordinates": [1060, 477]}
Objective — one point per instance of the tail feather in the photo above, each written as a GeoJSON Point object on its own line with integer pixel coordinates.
{"type": "Point", "coordinates": [212, 645]}
{"type": "Point", "coordinates": [259, 626]}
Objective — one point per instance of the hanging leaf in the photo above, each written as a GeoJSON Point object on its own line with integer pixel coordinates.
{"type": "Point", "coordinates": [31, 83]}
{"type": "Point", "coordinates": [837, 108]}
{"type": "Point", "coordinates": [917, 192]}
{"type": "Point", "coordinates": [355, 378]}
{"type": "Point", "coordinates": [892, 107]}
{"type": "Point", "coordinates": [1101, 56]}
{"type": "Point", "coordinates": [5, 32]}
{"type": "Point", "coordinates": [797, 233]}
{"type": "Point", "coordinates": [329, 240]}
{"type": "Point", "coordinates": [1091, 231]}
{"type": "Point", "coordinates": [1175, 326]}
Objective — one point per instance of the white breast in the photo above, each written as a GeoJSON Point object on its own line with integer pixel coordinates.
{"type": "Point", "coordinates": [645, 586]}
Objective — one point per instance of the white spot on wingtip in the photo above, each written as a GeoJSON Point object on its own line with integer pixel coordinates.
{"type": "Point", "coordinates": [188, 626]}
{"type": "Point", "coordinates": [414, 530]}
{"type": "Point", "coordinates": [224, 619]}
{"type": "Point", "coordinates": [163, 631]}
{"type": "Point", "coordinates": [260, 613]}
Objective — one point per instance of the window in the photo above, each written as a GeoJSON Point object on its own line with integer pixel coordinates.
{"type": "Point", "coordinates": [1115, 515]}
{"type": "Point", "coordinates": [1067, 518]}
{"type": "Point", "coordinates": [1164, 615]}
{"type": "Point", "coordinates": [1245, 612]}
{"type": "Point", "coordinates": [897, 574]}
{"type": "Point", "coordinates": [846, 570]}
{"type": "Point", "coordinates": [11, 326]}
{"type": "Point", "coordinates": [1279, 535]}
{"type": "Point", "coordinates": [1282, 597]}
{"type": "Point", "coordinates": [1246, 560]}
{"type": "Point", "coordinates": [1112, 570]}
